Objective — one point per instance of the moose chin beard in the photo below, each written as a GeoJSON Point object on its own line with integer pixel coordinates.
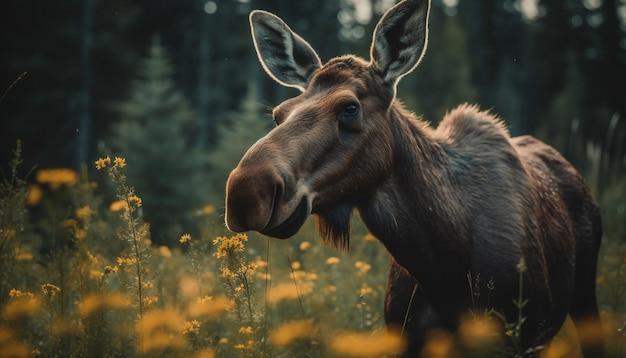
{"type": "Point", "coordinates": [334, 225]}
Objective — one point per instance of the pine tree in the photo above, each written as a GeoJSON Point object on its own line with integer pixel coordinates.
{"type": "Point", "coordinates": [154, 134]}
{"type": "Point", "coordinates": [248, 125]}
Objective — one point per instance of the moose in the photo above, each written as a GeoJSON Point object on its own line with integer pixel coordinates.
{"type": "Point", "coordinates": [464, 199]}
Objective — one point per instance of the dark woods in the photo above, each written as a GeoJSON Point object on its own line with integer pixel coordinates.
{"type": "Point", "coordinates": [552, 68]}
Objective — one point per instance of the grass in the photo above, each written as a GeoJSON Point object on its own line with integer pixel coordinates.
{"type": "Point", "coordinates": [79, 276]}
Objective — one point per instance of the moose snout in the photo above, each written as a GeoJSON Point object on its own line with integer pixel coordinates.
{"type": "Point", "coordinates": [251, 194]}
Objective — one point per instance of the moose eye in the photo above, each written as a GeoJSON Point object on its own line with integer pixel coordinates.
{"type": "Point", "coordinates": [351, 110]}
{"type": "Point", "coordinates": [349, 118]}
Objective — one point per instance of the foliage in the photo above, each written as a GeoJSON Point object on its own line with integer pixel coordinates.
{"type": "Point", "coordinates": [154, 132]}
{"type": "Point", "coordinates": [104, 289]}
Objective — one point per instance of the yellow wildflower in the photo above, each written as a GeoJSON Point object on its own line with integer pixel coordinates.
{"type": "Point", "coordinates": [118, 205]}
{"type": "Point", "coordinates": [119, 162]}
{"type": "Point", "coordinates": [246, 330]}
{"type": "Point", "coordinates": [150, 300]}
{"type": "Point", "coordinates": [228, 246]}
{"type": "Point", "coordinates": [189, 287]}
{"type": "Point", "coordinates": [376, 344]}
{"type": "Point", "coordinates": [160, 318]}
{"type": "Point", "coordinates": [558, 348]}
{"type": "Point", "coordinates": [184, 238]}
{"type": "Point", "coordinates": [478, 331]}
{"type": "Point", "coordinates": [192, 326]}
{"type": "Point", "coordinates": [288, 291]}
{"type": "Point", "coordinates": [363, 267]}
{"type": "Point", "coordinates": [296, 265]}
{"type": "Point", "coordinates": [365, 290]}
{"type": "Point", "coordinates": [205, 353]}
{"type": "Point", "coordinates": [33, 195]}
{"type": "Point", "coordinates": [92, 303]}
{"type": "Point", "coordinates": [135, 201]}
{"type": "Point", "coordinates": [84, 213]}
{"type": "Point", "coordinates": [291, 331]}
{"type": "Point", "coordinates": [332, 260]}
{"type": "Point", "coordinates": [439, 344]}
{"type": "Point", "coordinates": [208, 210]}
{"type": "Point", "coordinates": [110, 269]}
{"type": "Point", "coordinates": [14, 293]}
{"type": "Point", "coordinates": [209, 307]}
{"type": "Point", "coordinates": [95, 274]}
{"type": "Point", "coordinates": [50, 290]}
{"type": "Point", "coordinates": [55, 178]}
{"type": "Point", "coordinates": [165, 251]}
{"type": "Point", "coordinates": [369, 237]}
{"type": "Point", "coordinates": [69, 223]}
{"type": "Point", "coordinates": [305, 245]}
{"type": "Point", "coordinates": [102, 163]}
{"type": "Point", "coordinates": [21, 306]}
{"type": "Point", "coordinates": [22, 254]}
{"type": "Point", "coordinates": [223, 341]}
{"type": "Point", "coordinates": [80, 234]}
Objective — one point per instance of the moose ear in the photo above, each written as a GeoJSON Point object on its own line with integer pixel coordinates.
{"type": "Point", "coordinates": [285, 56]}
{"type": "Point", "coordinates": [400, 39]}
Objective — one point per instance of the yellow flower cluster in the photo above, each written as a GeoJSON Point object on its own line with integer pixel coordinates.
{"type": "Point", "coordinates": [208, 210]}
{"type": "Point", "coordinates": [14, 293]}
{"type": "Point", "coordinates": [159, 330]}
{"type": "Point", "coordinates": [365, 290]}
{"type": "Point", "coordinates": [55, 178]}
{"type": "Point", "coordinates": [110, 269]}
{"type": "Point", "coordinates": [84, 213]}
{"type": "Point", "coordinates": [10, 346]}
{"type": "Point", "coordinates": [50, 290]}
{"type": "Point", "coordinates": [228, 246]}
{"type": "Point", "coordinates": [191, 327]}
{"type": "Point", "coordinates": [94, 302]}
{"type": "Point", "coordinates": [135, 201]}
{"type": "Point", "coordinates": [246, 330]}
{"type": "Point", "coordinates": [150, 300]}
{"type": "Point", "coordinates": [128, 261]}
{"type": "Point", "coordinates": [165, 251]}
{"type": "Point", "coordinates": [376, 344]}
{"type": "Point", "coordinates": [209, 307]}
{"type": "Point", "coordinates": [33, 195]}
{"type": "Point", "coordinates": [479, 331]}
{"type": "Point", "coordinates": [105, 162]}
{"type": "Point", "coordinates": [362, 267]}
{"type": "Point", "coordinates": [118, 205]}
{"type": "Point", "coordinates": [292, 331]}
{"type": "Point", "coordinates": [305, 245]}
{"type": "Point", "coordinates": [332, 260]}
{"type": "Point", "coordinates": [288, 291]}
{"type": "Point", "coordinates": [184, 238]}
{"type": "Point", "coordinates": [22, 304]}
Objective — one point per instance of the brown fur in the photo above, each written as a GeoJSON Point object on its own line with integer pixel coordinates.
{"type": "Point", "coordinates": [460, 199]}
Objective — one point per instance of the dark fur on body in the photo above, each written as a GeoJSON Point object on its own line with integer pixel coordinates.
{"type": "Point", "coordinates": [460, 199]}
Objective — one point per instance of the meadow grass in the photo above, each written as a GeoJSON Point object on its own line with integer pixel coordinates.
{"type": "Point", "coordinates": [80, 277]}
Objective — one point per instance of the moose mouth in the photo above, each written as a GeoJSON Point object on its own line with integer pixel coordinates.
{"type": "Point", "coordinates": [289, 227]}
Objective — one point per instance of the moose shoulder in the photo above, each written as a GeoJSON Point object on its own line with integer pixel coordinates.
{"type": "Point", "coordinates": [463, 199]}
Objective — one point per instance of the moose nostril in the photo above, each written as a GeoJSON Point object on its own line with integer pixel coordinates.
{"type": "Point", "coordinates": [253, 193]}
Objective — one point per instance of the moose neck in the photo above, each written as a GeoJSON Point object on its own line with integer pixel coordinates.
{"type": "Point", "coordinates": [417, 211]}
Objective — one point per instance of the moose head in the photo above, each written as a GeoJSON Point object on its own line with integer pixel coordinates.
{"type": "Point", "coordinates": [332, 145]}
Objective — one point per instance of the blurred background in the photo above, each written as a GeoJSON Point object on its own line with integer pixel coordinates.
{"type": "Point", "coordinates": [175, 86]}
